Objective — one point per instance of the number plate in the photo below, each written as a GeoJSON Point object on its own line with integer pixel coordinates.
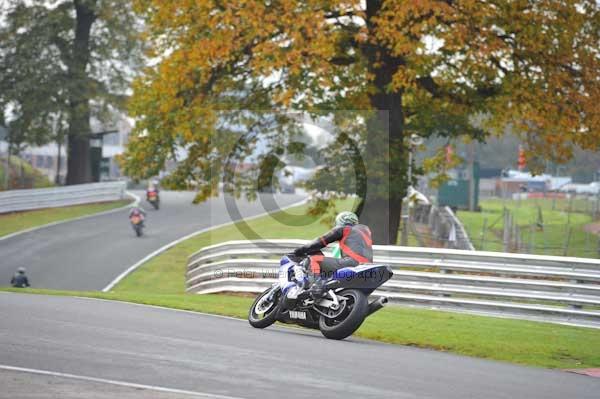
{"type": "Point", "coordinates": [297, 315]}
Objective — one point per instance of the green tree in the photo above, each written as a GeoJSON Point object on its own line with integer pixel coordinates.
{"type": "Point", "coordinates": [419, 66]}
{"type": "Point", "coordinates": [62, 63]}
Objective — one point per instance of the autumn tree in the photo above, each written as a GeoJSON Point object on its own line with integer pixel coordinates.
{"type": "Point", "coordinates": [419, 66]}
{"type": "Point", "coordinates": [62, 63]}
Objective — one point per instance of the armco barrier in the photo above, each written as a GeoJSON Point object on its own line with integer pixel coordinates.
{"type": "Point", "coordinates": [22, 200]}
{"type": "Point", "coordinates": [540, 288]}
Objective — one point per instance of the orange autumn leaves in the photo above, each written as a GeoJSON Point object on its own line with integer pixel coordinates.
{"type": "Point", "coordinates": [534, 65]}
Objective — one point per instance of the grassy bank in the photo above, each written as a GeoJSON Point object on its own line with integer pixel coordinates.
{"type": "Point", "coordinates": [22, 175]}
{"type": "Point", "coordinates": [17, 221]}
{"type": "Point", "coordinates": [559, 219]}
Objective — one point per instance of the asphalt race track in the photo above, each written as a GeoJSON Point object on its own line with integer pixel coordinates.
{"type": "Point", "coordinates": [78, 348]}
{"type": "Point", "coordinates": [88, 254]}
{"type": "Point", "coordinates": [102, 344]}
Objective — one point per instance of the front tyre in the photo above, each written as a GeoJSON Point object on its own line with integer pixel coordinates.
{"type": "Point", "coordinates": [263, 311]}
{"type": "Point", "coordinates": [349, 319]}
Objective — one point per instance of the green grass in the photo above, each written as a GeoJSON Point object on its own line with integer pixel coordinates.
{"type": "Point", "coordinates": [551, 240]}
{"type": "Point", "coordinates": [161, 282]}
{"type": "Point", "coordinates": [17, 221]}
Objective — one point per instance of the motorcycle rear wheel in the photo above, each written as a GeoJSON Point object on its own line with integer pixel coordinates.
{"type": "Point", "coordinates": [262, 318]}
{"type": "Point", "coordinates": [349, 320]}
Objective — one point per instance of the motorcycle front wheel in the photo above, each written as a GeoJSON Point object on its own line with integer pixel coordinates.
{"type": "Point", "coordinates": [263, 311]}
{"type": "Point", "coordinates": [347, 320]}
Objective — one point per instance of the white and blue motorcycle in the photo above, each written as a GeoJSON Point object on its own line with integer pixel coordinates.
{"type": "Point", "coordinates": [338, 313]}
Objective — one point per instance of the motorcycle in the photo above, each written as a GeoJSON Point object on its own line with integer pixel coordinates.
{"type": "Point", "coordinates": [337, 314]}
{"type": "Point", "coordinates": [137, 222]}
{"type": "Point", "coordinates": [153, 199]}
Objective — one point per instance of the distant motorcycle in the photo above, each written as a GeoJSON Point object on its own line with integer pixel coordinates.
{"type": "Point", "coordinates": [137, 222]}
{"type": "Point", "coordinates": [153, 199]}
{"type": "Point", "coordinates": [338, 313]}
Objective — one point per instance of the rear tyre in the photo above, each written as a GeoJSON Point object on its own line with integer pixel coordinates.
{"type": "Point", "coordinates": [138, 230]}
{"type": "Point", "coordinates": [349, 320]}
{"type": "Point", "coordinates": [263, 311]}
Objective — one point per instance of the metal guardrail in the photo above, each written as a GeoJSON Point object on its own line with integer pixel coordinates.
{"type": "Point", "coordinates": [22, 200]}
{"type": "Point", "coordinates": [563, 290]}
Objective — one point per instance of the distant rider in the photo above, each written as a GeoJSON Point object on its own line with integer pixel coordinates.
{"type": "Point", "coordinates": [355, 243]}
{"type": "Point", "coordinates": [19, 280]}
{"type": "Point", "coordinates": [152, 187]}
{"type": "Point", "coordinates": [137, 211]}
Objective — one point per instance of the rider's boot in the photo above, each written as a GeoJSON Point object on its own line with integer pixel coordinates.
{"type": "Point", "coordinates": [317, 289]}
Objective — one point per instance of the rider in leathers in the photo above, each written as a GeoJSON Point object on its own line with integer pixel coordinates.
{"type": "Point", "coordinates": [355, 244]}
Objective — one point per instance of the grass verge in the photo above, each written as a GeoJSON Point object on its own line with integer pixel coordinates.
{"type": "Point", "coordinates": [17, 221]}
{"type": "Point", "coordinates": [559, 217]}
{"type": "Point", "coordinates": [161, 282]}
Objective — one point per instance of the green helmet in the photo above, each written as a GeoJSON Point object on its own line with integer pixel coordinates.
{"type": "Point", "coordinates": [344, 218]}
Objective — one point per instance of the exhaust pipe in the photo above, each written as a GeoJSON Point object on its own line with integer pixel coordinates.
{"type": "Point", "coordinates": [376, 305]}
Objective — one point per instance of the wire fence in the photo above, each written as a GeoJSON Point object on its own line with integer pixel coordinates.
{"type": "Point", "coordinates": [437, 227]}
{"type": "Point", "coordinates": [544, 226]}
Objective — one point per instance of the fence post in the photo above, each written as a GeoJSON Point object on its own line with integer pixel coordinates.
{"type": "Point", "coordinates": [569, 210]}
{"type": "Point", "coordinates": [567, 242]}
{"type": "Point", "coordinates": [531, 228]}
{"type": "Point", "coordinates": [587, 243]}
{"type": "Point", "coordinates": [506, 230]}
{"type": "Point", "coordinates": [483, 231]}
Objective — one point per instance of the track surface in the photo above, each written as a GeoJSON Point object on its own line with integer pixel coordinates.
{"type": "Point", "coordinates": [221, 356]}
{"type": "Point", "coordinates": [88, 254]}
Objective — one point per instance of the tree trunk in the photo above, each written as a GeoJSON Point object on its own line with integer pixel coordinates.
{"type": "Point", "coordinates": [78, 163]}
{"type": "Point", "coordinates": [386, 151]}
{"type": "Point", "coordinates": [58, 163]}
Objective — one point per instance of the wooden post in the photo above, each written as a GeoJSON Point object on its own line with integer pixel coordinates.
{"type": "Point", "coordinates": [483, 231]}
{"type": "Point", "coordinates": [506, 230]}
{"type": "Point", "coordinates": [531, 229]}
{"type": "Point", "coordinates": [567, 242]}
{"type": "Point", "coordinates": [587, 244]}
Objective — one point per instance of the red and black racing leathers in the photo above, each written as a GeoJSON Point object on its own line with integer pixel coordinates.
{"type": "Point", "coordinates": [355, 243]}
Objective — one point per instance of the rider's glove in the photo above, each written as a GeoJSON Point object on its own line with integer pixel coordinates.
{"type": "Point", "coordinates": [300, 251]}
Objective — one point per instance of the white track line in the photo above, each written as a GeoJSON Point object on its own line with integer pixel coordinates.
{"type": "Point", "coordinates": [121, 276]}
{"type": "Point", "coordinates": [134, 203]}
{"type": "Point", "coordinates": [118, 383]}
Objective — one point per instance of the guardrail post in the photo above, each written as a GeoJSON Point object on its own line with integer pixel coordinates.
{"type": "Point", "coordinates": [575, 281]}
